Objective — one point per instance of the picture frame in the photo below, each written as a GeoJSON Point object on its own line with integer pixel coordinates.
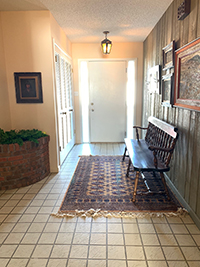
{"type": "Point", "coordinates": [184, 9]}
{"type": "Point", "coordinates": [168, 56]}
{"type": "Point", "coordinates": [28, 87]}
{"type": "Point", "coordinates": [167, 89]}
{"type": "Point", "coordinates": [154, 79]}
{"type": "Point", "coordinates": [187, 76]}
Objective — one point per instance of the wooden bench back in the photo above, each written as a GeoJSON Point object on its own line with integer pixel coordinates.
{"type": "Point", "coordinates": [163, 135]}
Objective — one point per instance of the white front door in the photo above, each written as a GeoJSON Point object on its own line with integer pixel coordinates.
{"type": "Point", "coordinates": [107, 106]}
{"type": "Point", "coordinates": [64, 105]}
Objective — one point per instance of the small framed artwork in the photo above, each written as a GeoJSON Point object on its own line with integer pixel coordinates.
{"type": "Point", "coordinates": [168, 55]}
{"type": "Point", "coordinates": [28, 87]}
{"type": "Point", "coordinates": [187, 76]}
{"type": "Point", "coordinates": [154, 79]}
{"type": "Point", "coordinates": [167, 89]}
{"type": "Point", "coordinates": [184, 9]}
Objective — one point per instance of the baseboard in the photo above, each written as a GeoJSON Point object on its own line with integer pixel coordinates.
{"type": "Point", "coordinates": [195, 218]}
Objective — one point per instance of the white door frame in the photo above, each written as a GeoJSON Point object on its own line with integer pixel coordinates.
{"type": "Point", "coordinates": [56, 48]}
{"type": "Point", "coordinates": [106, 60]}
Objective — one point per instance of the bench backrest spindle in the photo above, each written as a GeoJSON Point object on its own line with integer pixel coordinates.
{"type": "Point", "coordinates": [163, 135]}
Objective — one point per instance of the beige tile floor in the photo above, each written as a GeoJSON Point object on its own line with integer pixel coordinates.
{"type": "Point", "coordinates": [30, 236]}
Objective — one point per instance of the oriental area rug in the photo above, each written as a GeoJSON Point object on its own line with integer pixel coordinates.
{"type": "Point", "coordinates": [99, 187]}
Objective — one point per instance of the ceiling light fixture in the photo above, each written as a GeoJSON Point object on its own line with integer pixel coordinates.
{"type": "Point", "coordinates": [106, 44]}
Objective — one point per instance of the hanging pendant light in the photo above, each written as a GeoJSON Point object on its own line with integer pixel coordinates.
{"type": "Point", "coordinates": [106, 44]}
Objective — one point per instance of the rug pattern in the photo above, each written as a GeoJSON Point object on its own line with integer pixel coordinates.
{"type": "Point", "coordinates": [100, 182]}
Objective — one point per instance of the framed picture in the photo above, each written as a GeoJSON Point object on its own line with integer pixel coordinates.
{"type": "Point", "coordinates": [168, 56]}
{"type": "Point", "coordinates": [187, 76]}
{"type": "Point", "coordinates": [154, 79]}
{"type": "Point", "coordinates": [167, 89]}
{"type": "Point", "coordinates": [28, 86]}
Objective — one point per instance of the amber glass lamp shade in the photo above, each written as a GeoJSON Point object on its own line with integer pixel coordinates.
{"type": "Point", "coordinates": [106, 44]}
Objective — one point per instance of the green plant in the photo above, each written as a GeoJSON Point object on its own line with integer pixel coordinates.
{"type": "Point", "coordinates": [13, 136]}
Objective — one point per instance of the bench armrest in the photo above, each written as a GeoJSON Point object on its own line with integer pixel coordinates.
{"type": "Point", "coordinates": [153, 148]}
{"type": "Point", "coordinates": [136, 128]}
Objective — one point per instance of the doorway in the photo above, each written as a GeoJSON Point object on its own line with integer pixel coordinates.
{"type": "Point", "coordinates": [107, 98]}
{"type": "Point", "coordinates": [65, 111]}
{"type": "Point", "coordinates": [107, 106]}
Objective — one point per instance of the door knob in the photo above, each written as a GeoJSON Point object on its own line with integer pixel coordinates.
{"type": "Point", "coordinates": [63, 113]}
{"type": "Point", "coordinates": [92, 110]}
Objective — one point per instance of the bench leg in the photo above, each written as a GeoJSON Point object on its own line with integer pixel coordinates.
{"type": "Point", "coordinates": [124, 153]}
{"type": "Point", "coordinates": [164, 182]}
{"type": "Point", "coordinates": [135, 187]}
{"type": "Point", "coordinates": [129, 164]}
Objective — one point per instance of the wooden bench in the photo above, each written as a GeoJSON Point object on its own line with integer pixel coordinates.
{"type": "Point", "coordinates": [152, 154]}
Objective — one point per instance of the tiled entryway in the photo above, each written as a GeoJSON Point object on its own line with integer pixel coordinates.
{"type": "Point", "coordinates": [30, 236]}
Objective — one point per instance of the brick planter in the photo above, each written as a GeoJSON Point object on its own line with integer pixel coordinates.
{"type": "Point", "coordinates": [24, 165]}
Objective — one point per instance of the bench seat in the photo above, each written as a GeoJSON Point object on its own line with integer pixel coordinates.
{"type": "Point", "coordinates": [142, 157]}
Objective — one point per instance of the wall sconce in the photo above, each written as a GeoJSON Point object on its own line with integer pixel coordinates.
{"type": "Point", "coordinates": [106, 44]}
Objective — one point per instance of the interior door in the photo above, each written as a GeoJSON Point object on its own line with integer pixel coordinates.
{"type": "Point", "coordinates": [64, 106]}
{"type": "Point", "coordinates": [107, 84]}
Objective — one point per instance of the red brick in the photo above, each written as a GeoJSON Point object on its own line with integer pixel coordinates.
{"type": "Point", "coordinates": [17, 147]}
{"type": "Point", "coordinates": [3, 159]}
{"type": "Point", "coordinates": [2, 179]}
{"type": "Point", "coordinates": [11, 147]}
{"type": "Point", "coordinates": [19, 162]}
{"type": "Point", "coordinates": [5, 164]}
{"type": "Point", "coordinates": [4, 169]}
{"type": "Point", "coordinates": [28, 145]}
{"type": "Point", "coordinates": [5, 148]}
{"type": "Point", "coordinates": [24, 166]}
{"type": "Point", "coordinates": [15, 158]}
{"type": "Point", "coordinates": [23, 147]}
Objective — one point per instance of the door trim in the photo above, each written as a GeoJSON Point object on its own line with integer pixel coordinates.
{"type": "Point", "coordinates": [56, 48]}
{"type": "Point", "coordinates": [103, 60]}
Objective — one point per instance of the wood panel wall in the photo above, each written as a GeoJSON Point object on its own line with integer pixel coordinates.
{"type": "Point", "coordinates": [185, 167]}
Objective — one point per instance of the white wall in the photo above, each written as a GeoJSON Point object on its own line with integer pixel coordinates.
{"type": "Point", "coordinates": [119, 50]}
{"type": "Point", "coordinates": [28, 47]}
{"type": "Point", "coordinates": [5, 121]}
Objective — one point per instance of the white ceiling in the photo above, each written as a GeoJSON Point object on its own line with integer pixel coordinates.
{"type": "Point", "coordinates": [85, 20]}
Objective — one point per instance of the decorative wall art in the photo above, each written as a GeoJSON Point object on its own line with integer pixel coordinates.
{"type": "Point", "coordinates": [183, 10]}
{"type": "Point", "coordinates": [168, 55]}
{"type": "Point", "coordinates": [187, 76]}
{"type": "Point", "coordinates": [167, 89]}
{"type": "Point", "coordinates": [153, 80]}
{"type": "Point", "coordinates": [28, 87]}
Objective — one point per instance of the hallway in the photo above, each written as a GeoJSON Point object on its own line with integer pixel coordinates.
{"type": "Point", "coordinates": [29, 236]}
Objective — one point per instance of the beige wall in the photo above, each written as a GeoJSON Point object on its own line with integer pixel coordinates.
{"type": "Point", "coordinates": [60, 37]}
{"type": "Point", "coordinates": [119, 50]}
{"type": "Point", "coordinates": [28, 46]}
{"type": "Point", "coordinates": [5, 121]}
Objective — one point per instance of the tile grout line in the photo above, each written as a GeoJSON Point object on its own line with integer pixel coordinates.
{"type": "Point", "coordinates": [17, 246]}
{"type": "Point", "coordinates": [145, 256]}
{"type": "Point", "coordinates": [124, 241]}
{"type": "Point", "coordinates": [89, 242]}
{"type": "Point", "coordinates": [160, 241]}
{"type": "Point", "coordinates": [106, 242]}
{"type": "Point", "coordinates": [53, 244]}
{"type": "Point", "coordinates": [35, 244]}
{"type": "Point", "coordinates": [169, 224]}
{"type": "Point", "coordinates": [191, 235]}
{"type": "Point", "coordinates": [70, 248]}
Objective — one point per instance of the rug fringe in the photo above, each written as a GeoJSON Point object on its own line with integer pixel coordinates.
{"type": "Point", "coordinates": [181, 212]}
